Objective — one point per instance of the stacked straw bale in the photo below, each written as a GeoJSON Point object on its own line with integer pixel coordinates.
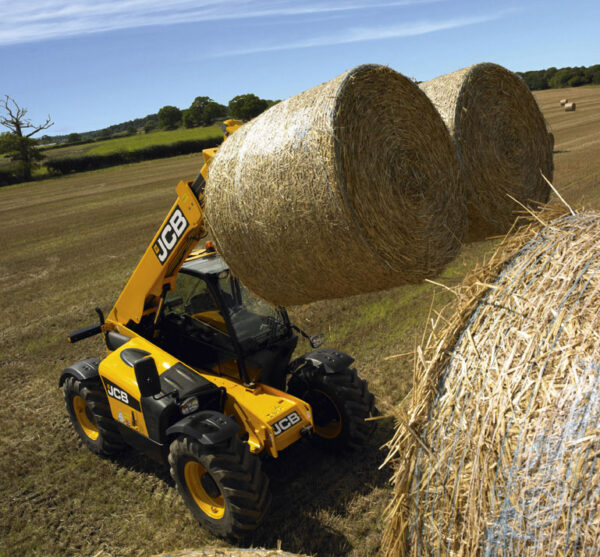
{"type": "Point", "coordinates": [498, 448]}
{"type": "Point", "coordinates": [346, 188]}
{"type": "Point", "coordinates": [501, 139]}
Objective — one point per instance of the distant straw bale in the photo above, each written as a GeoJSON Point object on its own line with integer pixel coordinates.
{"type": "Point", "coordinates": [346, 188]}
{"type": "Point", "coordinates": [563, 102]}
{"type": "Point", "coordinates": [501, 139]}
{"type": "Point", "coordinates": [497, 450]}
{"type": "Point", "coordinates": [570, 107]}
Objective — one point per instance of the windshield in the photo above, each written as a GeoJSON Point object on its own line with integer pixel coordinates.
{"type": "Point", "coordinates": [254, 320]}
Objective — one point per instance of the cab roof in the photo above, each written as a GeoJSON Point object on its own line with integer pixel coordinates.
{"type": "Point", "coordinates": [204, 262]}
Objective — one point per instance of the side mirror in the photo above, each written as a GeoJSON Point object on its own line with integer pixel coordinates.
{"type": "Point", "coordinates": [146, 376]}
{"type": "Point", "coordinates": [317, 340]}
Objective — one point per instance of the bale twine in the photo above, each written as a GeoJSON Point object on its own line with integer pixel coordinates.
{"type": "Point", "coordinates": [501, 140]}
{"type": "Point", "coordinates": [346, 188]}
{"type": "Point", "coordinates": [499, 451]}
{"type": "Point", "coordinates": [570, 107]}
{"type": "Point", "coordinates": [563, 102]}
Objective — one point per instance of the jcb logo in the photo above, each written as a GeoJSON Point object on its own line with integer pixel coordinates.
{"type": "Point", "coordinates": [285, 423]}
{"type": "Point", "coordinates": [117, 393]}
{"type": "Point", "coordinates": [170, 234]}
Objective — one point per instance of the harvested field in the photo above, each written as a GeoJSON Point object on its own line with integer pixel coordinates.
{"type": "Point", "coordinates": [577, 142]}
{"type": "Point", "coordinates": [501, 141]}
{"type": "Point", "coordinates": [355, 179]}
{"type": "Point", "coordinates": [70, 244]}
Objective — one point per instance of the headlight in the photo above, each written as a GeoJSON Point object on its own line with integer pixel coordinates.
{"type": "Point", "coordinates": [189, 405]}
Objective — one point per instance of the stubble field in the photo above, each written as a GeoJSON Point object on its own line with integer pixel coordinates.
{"type": "Point", "coordinates": [69, 244]}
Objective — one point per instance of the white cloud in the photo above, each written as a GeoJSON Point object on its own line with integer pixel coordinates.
{"type": "Point", "coordinates": [361, 34]}
{"type": "Point", "coordinates": [38, 20]}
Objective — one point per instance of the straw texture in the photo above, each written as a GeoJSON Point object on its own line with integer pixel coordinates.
{"type": "Point", "coordinates": [570, 107]}
{"type": "Point", "coordinates": [501, 140]}
{"type": "Point", "coordinates": [497, 449]}
{"type": "Point", "coordinates": [349, 187]}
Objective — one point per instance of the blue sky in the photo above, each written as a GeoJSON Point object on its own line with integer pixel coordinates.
{"type": "Point", "coordinates": [92, 63]}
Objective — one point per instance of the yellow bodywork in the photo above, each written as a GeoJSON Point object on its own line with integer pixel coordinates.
{"type": "Point", "coordinates": [256, 409]}
{"type": "Point", "coordinates": [229, 126]}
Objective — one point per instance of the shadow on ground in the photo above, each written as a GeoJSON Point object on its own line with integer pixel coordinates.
{"type": "Point", "coordinates": [312, 488]}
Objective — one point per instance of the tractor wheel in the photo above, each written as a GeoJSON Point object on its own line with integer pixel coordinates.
{"type": "Point", "coordinates": [222, 485]}
{"type": "Point", "coordinates": [90, 415]}
{"type": "Point", "coordinates": [340, 403]}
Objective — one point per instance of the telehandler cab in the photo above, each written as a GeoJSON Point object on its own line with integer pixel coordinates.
{"type": "Point", "coordinates": [199, 373]}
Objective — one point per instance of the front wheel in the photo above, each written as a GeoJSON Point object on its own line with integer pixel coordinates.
{"type": "Point", "coordinates": [341, 403]}
{"type": "Point", "coordinates": [90, 415]}
{"type": "Point", "coordinates": [223, 485]}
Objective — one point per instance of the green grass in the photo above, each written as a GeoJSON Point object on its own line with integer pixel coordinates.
{"type": "Point", "coordinates": [139, 141]}
{"type": "Point", "coordinates": [133, 142]}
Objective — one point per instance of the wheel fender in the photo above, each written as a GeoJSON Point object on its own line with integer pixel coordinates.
{"type": "Point", "coordinates": [326, 360]}
{"type": "Point", "coordinates": [85, 369]}
{"type": "Point", "coordinates": [207, 427]}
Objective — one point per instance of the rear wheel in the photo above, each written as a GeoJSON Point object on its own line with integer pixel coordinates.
{"type": "Point", "coordinates": [223, 485]}
{"type": "Point", "coordinates": [90, 415]}
{"type": "Point", "coordinates": [341, 402]}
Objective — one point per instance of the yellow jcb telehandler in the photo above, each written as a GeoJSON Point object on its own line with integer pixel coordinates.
{"type": "Point", "coordinates": [199, 373]}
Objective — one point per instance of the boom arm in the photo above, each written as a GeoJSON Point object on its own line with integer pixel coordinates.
{"type": "Point", "coordinates": [175, 239]}
{"type": "Point", "coordinates": [163, 258]}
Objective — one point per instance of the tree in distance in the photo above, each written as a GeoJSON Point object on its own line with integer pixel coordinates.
{"type": "Point", "coordinates": [246, 107]}
{"type": "Point", "coordinates": [169, 117]}
{"type": "Point", "coordinates": [212, 112]}
{"type": "Point", "coordinates": [203, 112]}
{"type": "Point", "coordinates": [73, 138]}
{"type": "Point", "coordinates": [18, 143]}
{"type": "Point", "coordinates": [149, 126]}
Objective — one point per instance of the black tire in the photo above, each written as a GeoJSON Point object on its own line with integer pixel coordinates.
{"type": "Point", "coordinates": [223, 485]}
{"type": "Point", "coordinates": [90, 415]}
{"type": "Point", "coordinates": [340, 402]}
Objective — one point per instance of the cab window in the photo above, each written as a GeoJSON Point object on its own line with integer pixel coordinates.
{"type": "Point", "coordinates": [191, 295]}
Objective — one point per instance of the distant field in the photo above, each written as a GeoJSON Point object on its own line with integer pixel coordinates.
{"type": "Point", "coordinates": [138, 141]}
{"type": "Point", "coordinates": [577, 142]}
{"type": "Point", "coordinates": [69, 244]}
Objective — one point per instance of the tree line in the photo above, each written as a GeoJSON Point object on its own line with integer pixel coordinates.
{"type": "Point", "coordinates": [18, 145]}
{"type": "Point", "coordinates": [553, 78]}
{"type": "Point", "coordinates": [203, 111]}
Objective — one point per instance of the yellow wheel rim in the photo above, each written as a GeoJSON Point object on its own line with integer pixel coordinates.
{"type": "Point", "coordinates": [84, 418]}
{"type": "Point", "coordinates": [214, 507]}
{"type": "Point", "coordinates": [326, 407]}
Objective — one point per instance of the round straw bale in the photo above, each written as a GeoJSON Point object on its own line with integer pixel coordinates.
{"type": "Point", "coordinates": [563, 102]}
{"type": "Point", "coordinates": [570, 107]}
{"type": "Point", "coordinates": [346, 188]}
{"type": "Point", "coordinates": [500, 447]}
{"type": "Point", "coordinates": [501, 140]}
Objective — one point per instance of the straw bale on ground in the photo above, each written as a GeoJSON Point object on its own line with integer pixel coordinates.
{"type": "Point", "coordinates": [563, 102]}
{"type": "Point", "coordinates": [570, 107]}
{"type": "Point", "coordinates": [497, 448]}
{"type": "Point", "coordinates": [501, 140]}
{"type": "Point", "coordinates": [349, 187]}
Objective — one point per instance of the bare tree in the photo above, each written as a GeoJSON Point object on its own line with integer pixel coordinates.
{"type": "Point", "coordinates": [18, 142]}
